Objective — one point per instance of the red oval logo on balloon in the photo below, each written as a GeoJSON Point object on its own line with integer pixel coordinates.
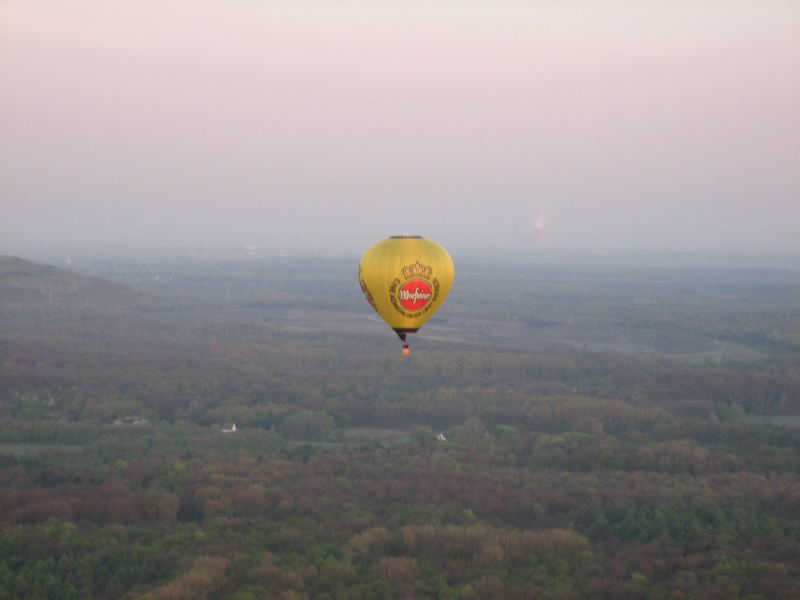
{"type": "Point", "coordinates": [414, 294]}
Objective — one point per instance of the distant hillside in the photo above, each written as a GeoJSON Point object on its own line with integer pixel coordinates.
{"type": "Point", "coordinates": [29, 282]}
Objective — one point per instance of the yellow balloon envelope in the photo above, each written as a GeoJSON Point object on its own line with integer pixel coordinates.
{"type": "Point", "coordinates": [406, 278]}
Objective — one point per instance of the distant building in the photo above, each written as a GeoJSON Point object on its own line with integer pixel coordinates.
{"type": "Point", "coordinates": [229, 428]}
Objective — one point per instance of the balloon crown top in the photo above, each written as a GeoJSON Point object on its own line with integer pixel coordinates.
{"type": "Point", "coordinates": [416, 270]}
{"type": "Point", "coordinates": [406, 237]}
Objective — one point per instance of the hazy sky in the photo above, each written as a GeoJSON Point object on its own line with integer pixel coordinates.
{"type": "Point", "coordinates": [637, 124]}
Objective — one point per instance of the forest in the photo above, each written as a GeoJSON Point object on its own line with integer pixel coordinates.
{"type": "Point", "coordinates": [559, 432]}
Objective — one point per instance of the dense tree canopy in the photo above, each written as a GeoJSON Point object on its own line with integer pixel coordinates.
{"type": "Point", "coordinates": [565, 473]}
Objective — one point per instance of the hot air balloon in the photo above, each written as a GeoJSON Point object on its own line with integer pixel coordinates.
{"type": "Point", "coordinates": [406, 278]}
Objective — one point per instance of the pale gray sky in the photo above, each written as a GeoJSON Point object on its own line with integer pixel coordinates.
{"type": "Point", "coordinates": [631, 124]}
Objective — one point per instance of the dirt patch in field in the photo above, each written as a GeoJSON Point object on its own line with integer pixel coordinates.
{"type": "Point", "coordinates": [376, 435]}
{"type": "Point", "coordinates": [509, 333]}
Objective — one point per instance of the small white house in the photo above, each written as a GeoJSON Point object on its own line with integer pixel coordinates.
{"type": "Point", "coordinates": [229, 428]}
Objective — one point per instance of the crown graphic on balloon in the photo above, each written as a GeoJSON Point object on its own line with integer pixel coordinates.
{"type": "Point", "coordinates": [416, 270]}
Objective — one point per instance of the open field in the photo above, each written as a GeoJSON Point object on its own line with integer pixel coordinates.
{"type": "Point", "coordinates": [469, 332]}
